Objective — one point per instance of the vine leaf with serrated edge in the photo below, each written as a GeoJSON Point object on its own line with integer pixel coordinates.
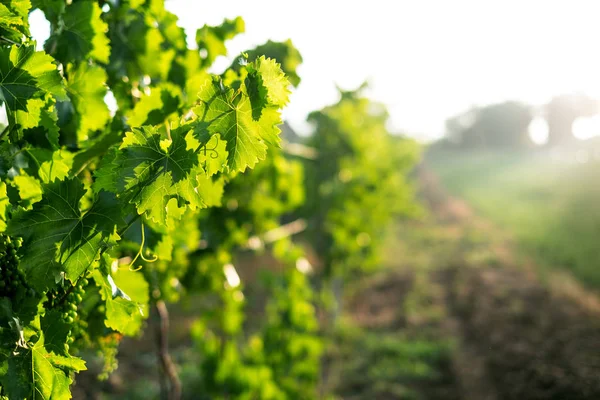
{"type": "Point", "coordinates": [83, 34]}
{"type": "Point", "coordinates": [58, 237]}
{"type": "Point", "coordinates": [246, 118]}
{"type": "Point", "coordinates": [25, 74]}
{"type": "Point", "coordinates": [86, 88]}
{"type": "Point", "coordinates": [35, 367]}
{"type": "Point", "coordinates": [148, 170]}
{"type": "Point", "coordinates": [14, 23]}
{"type": "Point", "coordinates": [123, 314]}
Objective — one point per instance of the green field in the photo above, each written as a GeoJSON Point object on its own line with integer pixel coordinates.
{"type": "Point", "coordinates": [550, 207]}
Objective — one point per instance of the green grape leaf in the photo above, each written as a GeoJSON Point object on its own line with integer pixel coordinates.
{"type": "Point", "coordinates": [58, 237]}
{"type": "Point", "coordinates": [32, 371]}
{"type": "Point", "coordinates": [106, 172]}
{"type": "Point", "coordinates": [154, 197]}
{"type": "Point", "coordinates": [86, 87]}
{"type": "Point", "coordinates": [50, 165]}
{"type": "Point", "coordinates": [48, 373]}
{"type": "Point", "coordinates": [21, 7]}
{"type": "Point", "coordinates": [257, 93]}
{"type": "Point", "coordinates": [213, 155]}
{"type": "Point", "coordinates": [26, 73]}
{"type": "Point", "coordinates": [52, 9]}
{"type": "Point", "coordinates": [9, 333]}
{"type": "Point", "coordinates": [99, 147]}
{"type": "Point", "coordinates": [83, 34]}
{"type": "Point", "coordinates": [15, 376]}
{"type": "Point", "coordinates": [136, 3]}
{"type": "Point", "coordinates": [136, 287]}
{"type": "Point", "coordinates": [285, 53]}
{"type": "Point", "coordinates": [155, 108]}
{"type": "Point", "coordinates": [210, 190]}
{"type": "Point", "coordinates": [123, 315]}
{"type": "Point", "coordinates": [189, 190]}
{"type": "Point", "coordinates": [29, 189]}
{"type": "Point", "coordinates": [57, 167]}
{"type": "Point", "coordinates": [229, 112]}
{"type": "Point", "coordinates": [38, 123]}
{"type": "Point", "coordinates": [155, 61]}
{"type": "Point", "coordinates": [56, 332]}
{"type": "Point", "coordinates": [148, 170]}
{"type": "Point", "coordinates": [268, 126]}
{"type": "Point", "coordinates": [14, 19]}
{"type": "Point", "coordinates": [69, 363]}
{"type": "Point", "coordinates": [272, 77]}
{"type": "Point", "coordinates": [146, 148]}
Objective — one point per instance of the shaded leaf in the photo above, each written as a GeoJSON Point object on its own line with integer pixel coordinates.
{"type": "Point", "coordinates": [86, 87]}
{"type": "Point", "coordinates": [14, 23]}
{"type": "Point", "coordinates": [155, 108]}
{"type": "Point", "coordinates": [38, 123]}
{"type": "Point", "coordinates": [123, 315]}
{"type": "Point", "coordinates": [83, 34]}
{"type": "Point", "coordinates": [148, 170]}
{"type": "Point", "coordinates": [58, 237]}
{"type": "Point", "coordinates": [25, 73]}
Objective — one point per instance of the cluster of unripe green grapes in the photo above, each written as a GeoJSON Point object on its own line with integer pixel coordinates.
{"type": "Point", "coordinates": [10, 276]}
{"type": "Point", "coordinates": [66, 301]}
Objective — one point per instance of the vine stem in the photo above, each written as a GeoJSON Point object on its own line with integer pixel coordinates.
{"type": "Point", "coordinates": [7, 40]}
{"type": "Point", "coordinates": [162, 343]}
{"type": "Point", "coordinates": [300, 150]}
{"type": "Point", "coordinates": [4, 131]}
{"type": "Point", "coordinates": [281, 232]}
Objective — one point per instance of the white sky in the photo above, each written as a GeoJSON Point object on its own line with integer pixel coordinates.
{"type": "Point", "coordinates": [426, 60]}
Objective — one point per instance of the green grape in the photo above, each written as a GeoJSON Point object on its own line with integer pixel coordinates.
{"type": "Point", "coordinates": [66, 300]}
{"type": "Point", "coordinates": [11, 278]}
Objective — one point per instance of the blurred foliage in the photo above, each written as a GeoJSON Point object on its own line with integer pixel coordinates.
{"type": "Point", "coordinates": [357, 182]}
{"type": "Point", "coordinates": [284, 52]}
{"type": "Point", "coordinates": [211, 39]}
{"type": "Point", "coordinates": [506, 125]}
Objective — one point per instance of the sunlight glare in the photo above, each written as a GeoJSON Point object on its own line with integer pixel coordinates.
{"type": "Point", "coordinates": [231, 275]}
{"type": "Point", "coordinates": [538, 131]}
{"type": "Point", "coordinates": [586, 127]}
{"type": "Point", "coordinates": [39, 28]}
{"type": "Point", "coordinates": [111, 102]}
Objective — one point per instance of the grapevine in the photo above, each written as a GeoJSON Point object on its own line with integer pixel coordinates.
{"type": "Point", "coordinates": [108, 215]}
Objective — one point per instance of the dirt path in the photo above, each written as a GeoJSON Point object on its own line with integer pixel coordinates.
{"type": "Point", "coordinates": [480, 322]}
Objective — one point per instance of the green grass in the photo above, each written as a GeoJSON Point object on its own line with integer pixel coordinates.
{"type": "Point", "coordinates": [551, 208]}
{"type": "Point", "coordinates": [392, 365]}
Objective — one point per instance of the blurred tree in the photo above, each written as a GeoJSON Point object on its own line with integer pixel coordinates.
{"type": "Point", "coordinates": [496, 125]}
{"type": "Point", "coordinates": [457, 126]}
{"type": "Point", "coordinates": [562, 111]}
